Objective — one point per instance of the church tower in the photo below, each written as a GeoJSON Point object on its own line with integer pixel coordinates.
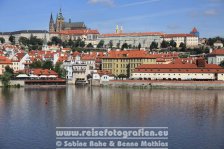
{"type": "Point", "coordinates": [51, 24]}
{"type": "Point", "coordinates": [59, 21]}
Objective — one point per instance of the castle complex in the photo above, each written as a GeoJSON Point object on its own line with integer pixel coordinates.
{"type": "Point", "coordinates": [60, 24]}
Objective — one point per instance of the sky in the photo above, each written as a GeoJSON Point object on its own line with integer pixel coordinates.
{"type": "Point", "coordinates": [169, 16]}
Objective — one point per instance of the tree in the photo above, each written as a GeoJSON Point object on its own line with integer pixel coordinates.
{"type": "Point", "coordinates": [23, 40]}
{"type": "Point", "coordinates": [100, 44]}
{"type": "Point", "coordinates": [36, 64]}
{"type": "Point", "coordinates": [47, 65]}
{"type": "Point", "coordinates": [61, 71]}
{"type": "Point", "coordinates": [55, 40]}
{"type": "Point", "coordinates": [139, 46]}
{"type": "Point", "coordinates": [122, 76]}
{"type": "Point", "coordinates": [7, 75]}
{"type": "Point", "coordinates": [118, 45]}
{"type": "Point", "coordinates": [124, 46]}
{"type": "Point", "coordinates": [222, 64]}
{"type": "Point", "coordinates": [129, 46]}
{"type": "Point", "coordinates": [2, 40]}
{"type": "Point", "coordinates": [5, 78]}
{"type": "Point", "coordinates": [9, 70]}
{"type": "Point", "coordinates": [89, 45]}
{"type": "Point", "coordinates": [173, 44]}
{"type": "Point", "coordinates": [164, 44]}
{"type": "Point", "coordinates": [12, 39]}
{"type": "Point", "coordinates": [182, 46]}
{"type": "Point", "coordinates": [153, 45]}
{"type": "Point", "coordinates": [111, 44]}
{"type": "Point", "coordinates": [82, 44]}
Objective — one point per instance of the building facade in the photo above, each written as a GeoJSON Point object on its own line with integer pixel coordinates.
{"type": "Point", "coordinates": [134, 39]}
{"type": "Point", "coordinates": [124, 62]}
{"type": "Point", "coordinates": [216, 56]}
{"type": "Point", "coordinates": [184, 71]}
{"type": "Point", "coordinates": [60, 24]}
{"type": "Point", "coordinates": [189, 40]}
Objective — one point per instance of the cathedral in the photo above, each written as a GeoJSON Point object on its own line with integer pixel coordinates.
{"type": "Point", "coordinates": [60, 24]}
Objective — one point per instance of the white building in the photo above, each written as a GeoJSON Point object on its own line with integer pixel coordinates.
{"type": "Point", "coordinates": [19, 61]}
{"type": "Point", "coordinates": [77, 70]}
{"type": "Point", "coordinates": [189, 40]}
{"type": "Point", "coordinates": [218, 44]}
{"type": "Point", "coordinates": [199, 71]}
{"type": "Point", "coordinates": [216, 56]}
{"type": "Point", "coordinates": [133, 39]}
{"type": "Point", "coordinates": [25, 33]}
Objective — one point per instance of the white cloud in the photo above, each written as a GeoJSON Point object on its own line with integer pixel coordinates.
{"type": "Point", "coordinates": [139, 3]}
{"type": "Point", "coordinates": [211, 12]}
{"type": "Point", "coordinates": [106, 2]}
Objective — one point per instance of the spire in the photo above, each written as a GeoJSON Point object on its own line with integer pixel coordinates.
{"type": "Point", "coordinates": [60, 16]}
{"type": "Point", "coordinates": [194, 30]}
{"type": "Point", "coordinates": [51, 18]}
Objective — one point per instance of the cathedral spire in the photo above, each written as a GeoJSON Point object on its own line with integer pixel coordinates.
{"type": "Point", "coordinates": [51, 18]}
{"type": "Point", "coordinates": [60, 16]}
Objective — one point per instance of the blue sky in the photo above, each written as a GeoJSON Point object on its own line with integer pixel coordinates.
{"type": "Point", "coordinates": [170, 16]}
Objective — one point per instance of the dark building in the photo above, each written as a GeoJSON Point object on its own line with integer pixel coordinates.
{"type": "Point", "coordinates": [60, 24]}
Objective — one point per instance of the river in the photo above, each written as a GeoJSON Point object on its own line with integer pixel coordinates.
{"type": "Point", "coordinates": [29, 117]}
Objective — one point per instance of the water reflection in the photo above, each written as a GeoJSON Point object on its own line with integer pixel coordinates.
{"type": "Point", "coordinates": [32, 113]}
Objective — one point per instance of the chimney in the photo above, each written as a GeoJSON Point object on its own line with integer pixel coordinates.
{"type": "Point", "coordinates": [200, 62]}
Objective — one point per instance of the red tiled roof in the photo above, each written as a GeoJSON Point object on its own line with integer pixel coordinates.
{"type": "Point", "coordinates": [62, 58]}
{"type": "Point", "coordinates": [46, 72]}
{"type": "Point", "coordinates": [88, 57]}
{"type": "Point", "coordinates": [178, 35]}
{"type": "Point", "coordinates": [194, 30]}
{"type": "Point", "coordinates": [217, 52]}
{"type": "Point", "coordinates": [5, 60]}
{"type": "Point", "coordinates": [177, 68]}
{"type": "Point", "coordinates": [79, 32]}
{"type": "Point", "coordinates": [104, 72]}
{"type": "Point", "coordinates": [133, 34]}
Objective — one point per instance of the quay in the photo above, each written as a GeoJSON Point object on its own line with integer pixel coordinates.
{"type": "Point", "coordinates": [161, 84]}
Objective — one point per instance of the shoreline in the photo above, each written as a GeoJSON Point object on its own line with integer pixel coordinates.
{"type": "Point", "coordinates": [142, 84]}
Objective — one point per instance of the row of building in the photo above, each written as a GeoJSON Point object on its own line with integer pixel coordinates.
{"type": "Point", "coordinates": [134, 64]}
{"type": "Point", "coordinates": [78, 30]}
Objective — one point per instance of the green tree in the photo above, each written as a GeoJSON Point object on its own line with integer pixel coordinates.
{"type": "Point", "coordinates": [222, 64]}
{"type": "Point", "coordinates": [82, 44]}
{"type": "Point", "coordinates": [60, 70]}
{"type": "Point", "coordinates": [110, 44]}
{"type": "Point", "coordinates": [139, 46]}
{"type": "Point", "coordinates": [165, 44]}
{"type": "Point", "coordinates": [48, 65]}
{"type": "Point", "coordinates": [182, 46]}
{"type": "Point", "coordinates": [122, 76]}
{"type": "Point", "coordinates": [36, 64]}
{"type": "Point", "coordinates": [55, 40]}
{"type": "Point", "coordinates": [7, 75]}
{"type": "Point", "coordinates": [2, 40]}
{"type": "Point", "coordinates": [24, 41]}
{"type": "Point", "coordinates": [173, 44]}
{"type": "Point", "coordinates": [9, 70]}
{"type": "Point", "coordinates": [153, 45]}
{"type": "Point", "coordinates": [89, 45]}
{"type": "Point", "coordinates": [124, 46]}
{"type": "Point", "coordinates": [100, 44]}
{"type": "Point", "coordinates": [5, 78]}
{"type": "Point", "coordinates": [118, 45]}
{"type": "Point", "coordinates": [12, 39]}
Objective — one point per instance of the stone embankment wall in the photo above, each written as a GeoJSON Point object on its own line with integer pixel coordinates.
{"type": "Point", "coordinates": [165, 85]}
{"type": "Point", "coordinates": [15, 83]}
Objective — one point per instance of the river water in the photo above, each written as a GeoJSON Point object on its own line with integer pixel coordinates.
{"type": "Point", "coordinates": [29, 117]}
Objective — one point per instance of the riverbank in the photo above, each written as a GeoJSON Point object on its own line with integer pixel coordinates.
{"type": "Point", "coordinates": [143, 84]}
